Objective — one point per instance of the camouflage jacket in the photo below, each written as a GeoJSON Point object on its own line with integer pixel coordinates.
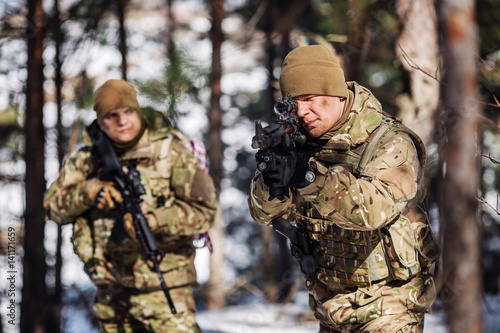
{"type": "Point", "coordinates": [367, 224]}
{"type": "Point", "coordinates": [178, 193]}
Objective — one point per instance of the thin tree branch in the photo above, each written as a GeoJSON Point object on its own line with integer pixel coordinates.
{"type": "Point", "coordinates": [487, 64]}
{"type": "Point", "coordinates": [497, 105]}
{"type": "Point", "coordinates": [489, 157]}
{"type": "Point", "coordinates": [483, 200]}
{"type": "Point", "coordinates": [413, 65]}
{"type": "Point", "coordinates": [257, 16]}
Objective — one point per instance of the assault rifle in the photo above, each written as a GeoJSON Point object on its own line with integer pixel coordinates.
{"type": "Point", "coordinates": [301, 246]}
{"type": "Point", "coordinates": [131, 188]}
{"type": "Point", "coordinates": [278, 142]}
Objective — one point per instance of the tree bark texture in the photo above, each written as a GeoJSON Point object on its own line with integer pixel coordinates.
{"type": "Point", "coordinates": [417, 50]}
{"type": "Point", "coordinates": [34, 292]}
{"type": "Point", "coordinates": [460, 118]}
{"type": "Point", "coordinates": [216, 293]}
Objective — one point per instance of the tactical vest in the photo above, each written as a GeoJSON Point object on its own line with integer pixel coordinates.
{"type": "Point", "coordinates": [91, 233]}
{"type": "Point", "coordinates": [352, 258]}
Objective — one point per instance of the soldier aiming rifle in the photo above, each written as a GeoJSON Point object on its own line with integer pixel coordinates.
{"type": "Point", "coordinates": [361, 210]}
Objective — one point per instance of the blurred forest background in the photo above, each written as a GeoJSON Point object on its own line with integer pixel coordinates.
{"type": "Point", "coordinates": [212, 68]}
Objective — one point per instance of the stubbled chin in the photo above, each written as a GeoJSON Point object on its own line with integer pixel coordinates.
{"type": "Point", "coordinates": [315, 133]}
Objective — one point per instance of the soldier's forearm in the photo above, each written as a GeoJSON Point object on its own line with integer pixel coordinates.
{"type": "Point", "coordinates": [65, 205]}
{"type": "Point", "coordinates": [365, 204]}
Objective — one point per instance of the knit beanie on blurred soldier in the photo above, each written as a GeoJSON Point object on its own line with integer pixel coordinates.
{"type": "Point", "coordinates": [312, 70]}
{"type": "Point", "coordinates": [114, 94]}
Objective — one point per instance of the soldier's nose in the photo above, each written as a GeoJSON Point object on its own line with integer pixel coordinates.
{"type": "Point", "coordinates": [122, 120]}
{"type": "Point", "coordinates": [301, 109]}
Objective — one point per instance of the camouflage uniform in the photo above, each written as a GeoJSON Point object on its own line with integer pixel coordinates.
{"type": "Point", "coordinates": [181, 198]}
{"type": "Point", "coordinates": [375, 250]}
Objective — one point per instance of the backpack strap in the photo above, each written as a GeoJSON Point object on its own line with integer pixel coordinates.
{"type": "Point", "coordinates": [391, 124]}
{"type": "Point", "coordinates": [198, 149]}
{"type": "Point", "coordinates": [161, 150]}
{"type": "Point", "coordinates": [367, 153]}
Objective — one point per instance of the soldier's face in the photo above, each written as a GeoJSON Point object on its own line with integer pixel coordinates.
{"type": "Point", "coordinates": [121, 125]}
{"type": "Point", "coordinates": [317, 113]}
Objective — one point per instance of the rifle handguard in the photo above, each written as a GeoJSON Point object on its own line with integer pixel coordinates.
{"type": "Point", "coordinates": [301, 246]}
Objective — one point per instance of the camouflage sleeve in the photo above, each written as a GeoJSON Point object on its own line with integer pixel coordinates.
{"type": "Point", "coordinates": [262, 210]}
{"type": "Point", "coordinates": [387, 184]}
{"type": "Point", "coordinates": [191, 207]}
{"type": "Point", "coordinates": [63, 201]}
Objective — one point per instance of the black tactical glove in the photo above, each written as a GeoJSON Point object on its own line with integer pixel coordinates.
{"type": "Point", "coordinates": [290, 171]}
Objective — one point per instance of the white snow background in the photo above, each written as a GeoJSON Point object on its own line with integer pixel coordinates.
{"type": "Point", "coordinates": [242, 73]}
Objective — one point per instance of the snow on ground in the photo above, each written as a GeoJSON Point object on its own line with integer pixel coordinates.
{"type": "Point", "coordinates": [297, 318]}
{"type": "Point", "coordinates": [256, 318]}
{"type": "Point", "coordinates": [260, 318]}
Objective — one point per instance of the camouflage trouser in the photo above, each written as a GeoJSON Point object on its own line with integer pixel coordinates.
{"type": "Point", "coordinates": [122, 311]}
{"type": "Point", "coordinates": [386, 324]}
{"type": "Point", "coordinates": [384, 307]}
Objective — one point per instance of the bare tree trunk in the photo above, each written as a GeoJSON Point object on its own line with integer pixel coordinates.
{"type": "Point", "coordinates": [267, 234]}
{"type": "Point", "coordinates": [121, 5]}
{"type": "Point", "coordinates": [33, 313]}
{"type": "Point", "coordinates": [270, 55]}
{"type": "Point", "coordinates": [289, 13]}
{"type": "Point", "coordinates": [417, 49]}
{"type": "Point", "coordinates": [173, 59]}
{"type": "Point", "coordinates": [286, 22]}
{"type": "Point", "coordinates": [216, 293]}
{"type": "Point", "coordinates": [460, 117]}
{"type": "Point", "coordinates": [279, 19]}
{"type": "Point", "coordinates": [358, 39]}
{"type": "Point", "coordinates": [55, 313]}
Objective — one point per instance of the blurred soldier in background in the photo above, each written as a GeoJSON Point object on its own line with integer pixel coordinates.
{"type": "Point", "coordinates": [178, 202]}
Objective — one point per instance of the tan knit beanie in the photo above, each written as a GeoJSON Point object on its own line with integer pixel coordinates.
{"type": "Point", "coordinates": [114, 94]}
{"type": "Point", "coordinates": [312, 70]}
